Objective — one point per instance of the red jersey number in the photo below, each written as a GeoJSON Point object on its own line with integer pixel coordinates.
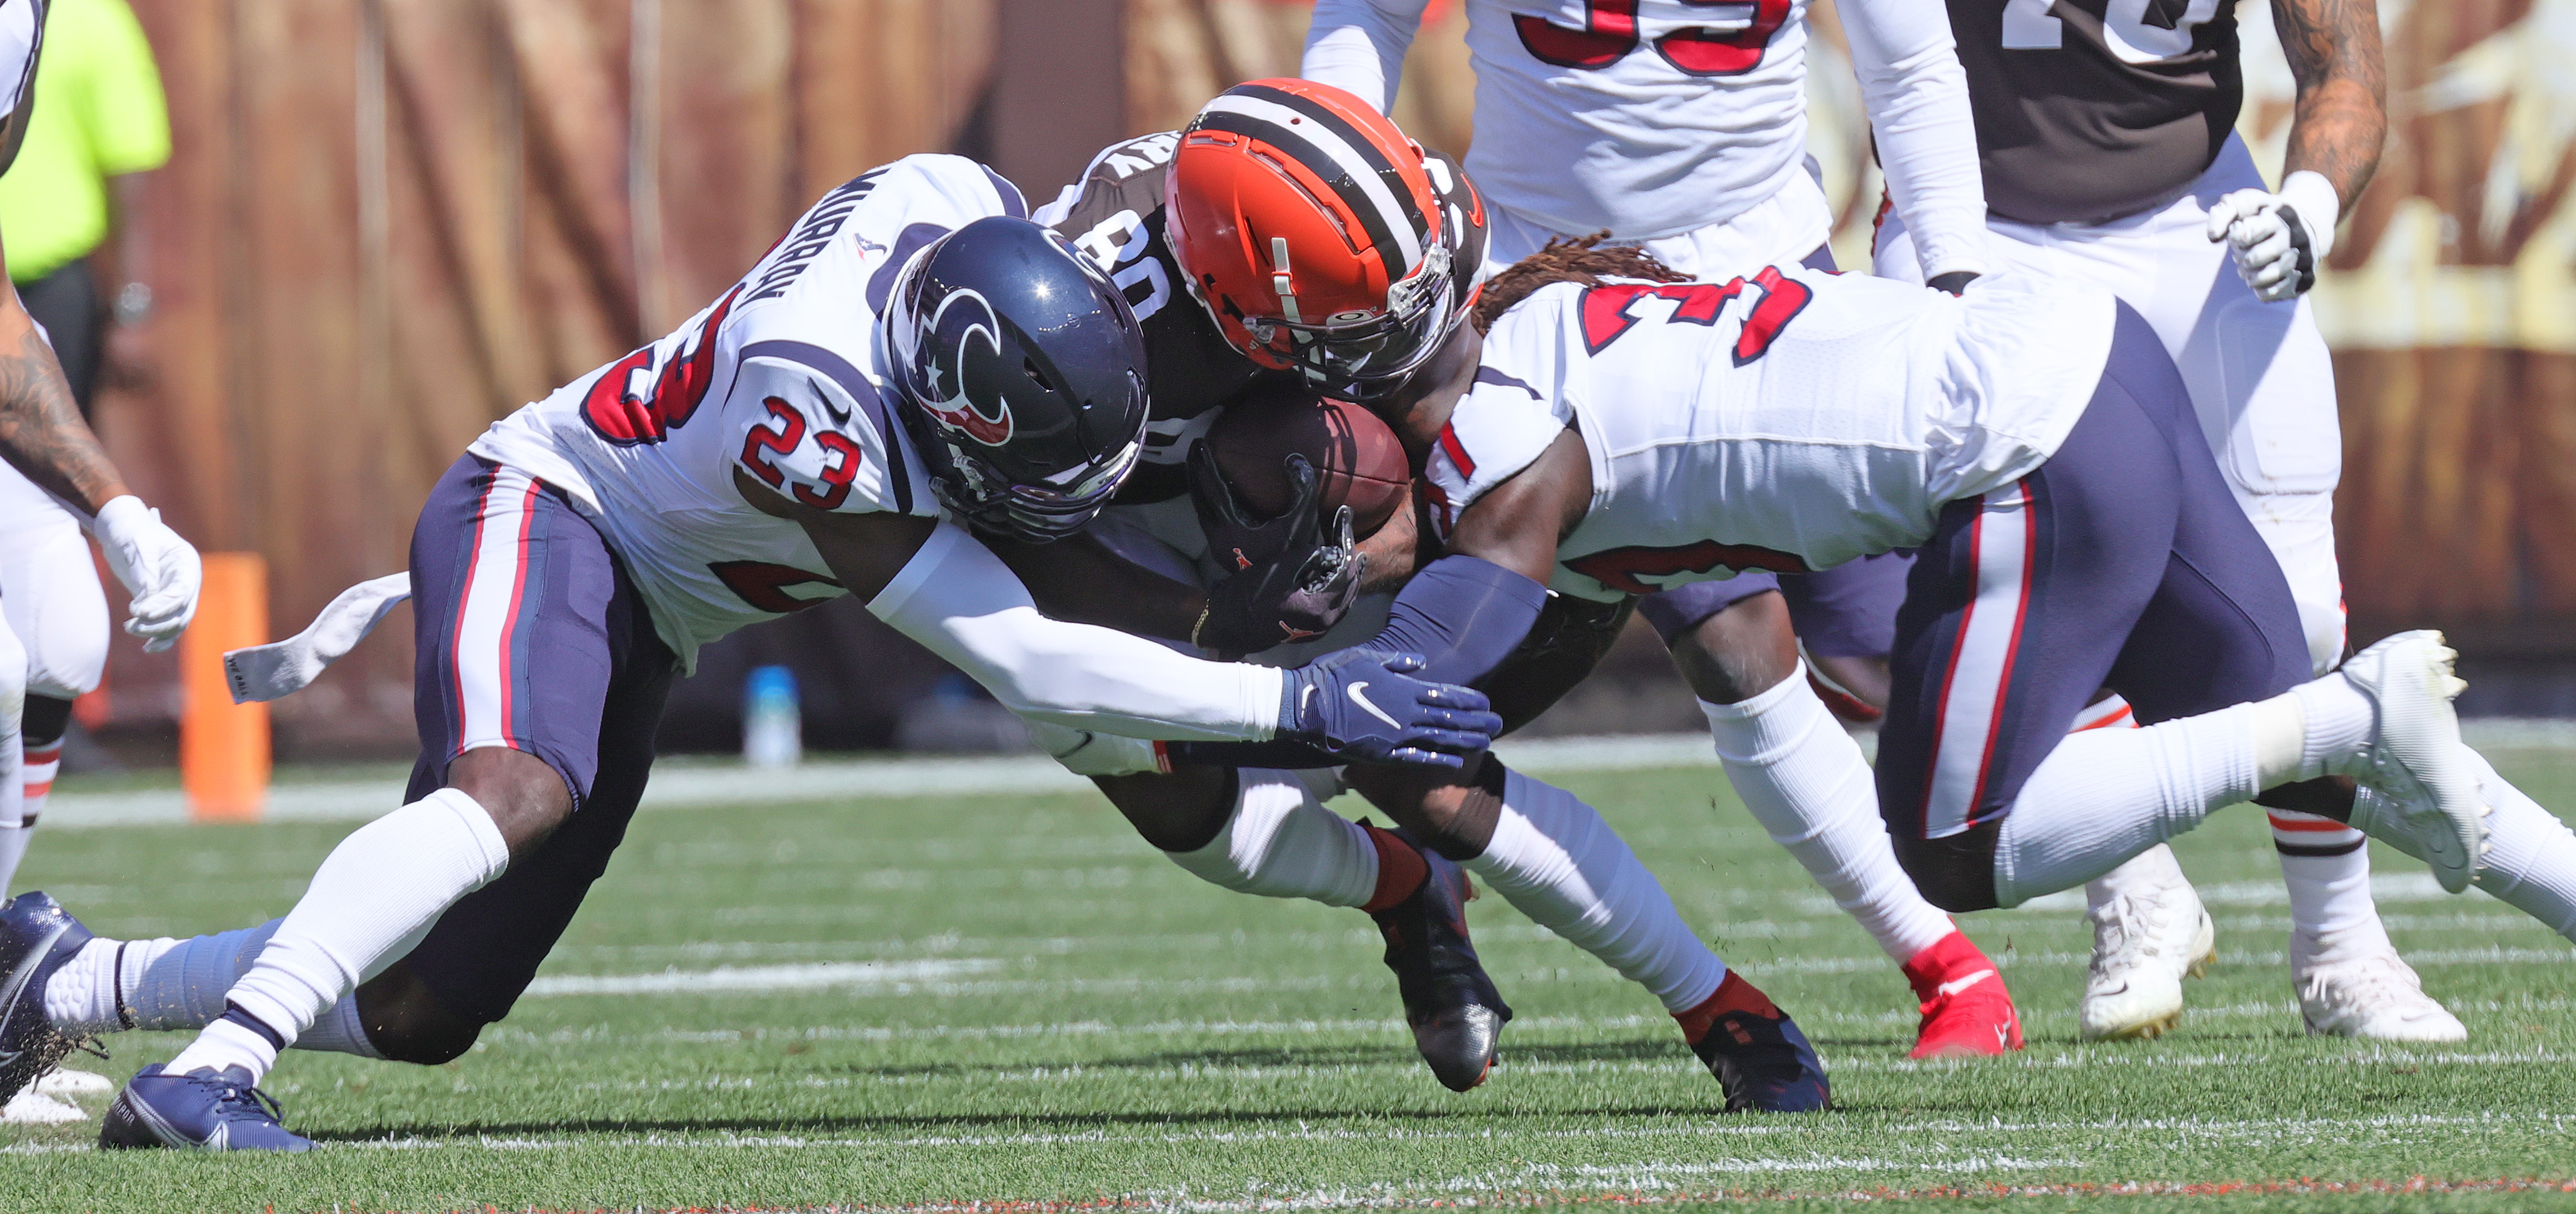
{"type": "Point", "coordinates": [615, 413]}
{"type": "Point", "coordinates": [1610, 31]}
{"type": "Point", "coordinates": [1609, 312]}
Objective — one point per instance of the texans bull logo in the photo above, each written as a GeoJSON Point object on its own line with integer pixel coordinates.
{"type": "Point", "coordinates": [964, 319]}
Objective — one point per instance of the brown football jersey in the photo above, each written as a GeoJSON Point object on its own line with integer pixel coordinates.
{"type": "Point", "coordinates": [2092, 109]}
{"type": "Point", "coordinates": [1117, 221]}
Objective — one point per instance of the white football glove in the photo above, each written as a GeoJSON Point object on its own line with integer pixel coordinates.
{"type": "Point", "coordinates": [158, 568]}
{"type": "Point", "coordinates": [2278, 240]}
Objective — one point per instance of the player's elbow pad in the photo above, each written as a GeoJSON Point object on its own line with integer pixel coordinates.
{"type": "Point", "coordinates": [1464, 615]}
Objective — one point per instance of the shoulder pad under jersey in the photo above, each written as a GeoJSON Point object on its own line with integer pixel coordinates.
{"type": "Point", "coordinates": [1114, 215]}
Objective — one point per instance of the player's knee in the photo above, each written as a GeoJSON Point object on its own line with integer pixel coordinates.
{"type": "Point", "coordinates": [1956, 873]}
{"type": "Point", "coordinates": [1740, 652]}
{"type": "Point", "coordinates": [405, 1022]}
{"type": "Point", "coordinates": [1452, 817]}
{"type": "Point", "coordinates": [1179, 812]}
{"type": "Point", "coordinates": [524, 794]}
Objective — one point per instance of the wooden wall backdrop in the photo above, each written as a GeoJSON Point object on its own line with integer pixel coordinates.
{"type": "Point", "coordinates": [388, 222]}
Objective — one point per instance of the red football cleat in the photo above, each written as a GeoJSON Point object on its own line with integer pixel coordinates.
{"type": "Point", "coordinates": [1967, 1013]}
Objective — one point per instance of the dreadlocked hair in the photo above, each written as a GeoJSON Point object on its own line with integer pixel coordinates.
{"type": "Point", "coordinates": [1583, 259]}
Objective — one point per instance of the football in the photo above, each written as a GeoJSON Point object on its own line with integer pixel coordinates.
{"type": "Point", "coordinates": [1362, 464]}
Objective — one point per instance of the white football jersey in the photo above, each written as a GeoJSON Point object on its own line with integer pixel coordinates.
{"type": "Point", "coordinates": [781, 379]}
{"type": "Point", "coordinates": [1657, 118]}
{"type": "Point", "coordinates": [1648, 117]}
{"type": "Point", "coordinates": [1791, 422]}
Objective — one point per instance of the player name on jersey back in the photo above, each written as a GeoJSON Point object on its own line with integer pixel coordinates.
{"type": "Point", "coordinates": [780, 382]}
{"type": "Point", "coordinates": [1791, 421]}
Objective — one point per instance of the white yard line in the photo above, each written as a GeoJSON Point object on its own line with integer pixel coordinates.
{"type": "Point", "coordinates": [761, 979]}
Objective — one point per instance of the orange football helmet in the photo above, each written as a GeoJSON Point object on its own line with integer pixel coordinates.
{"type": "Point", "coordinates": [1319, 237]}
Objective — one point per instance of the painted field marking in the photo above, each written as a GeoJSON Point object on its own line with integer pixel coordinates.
{"type": "Point", "coordinates": [761, 979]}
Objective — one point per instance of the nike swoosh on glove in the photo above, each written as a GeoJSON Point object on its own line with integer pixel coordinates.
{"type": "Point", "coordinates": [1366, 704]}
{"type": "Point", "coordinates": [158, 568]}
{"type": "Point", "coordinates": [2278, 240]}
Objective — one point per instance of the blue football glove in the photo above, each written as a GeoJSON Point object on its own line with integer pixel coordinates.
{"type": "Point", "coordinates": [1365, 704]}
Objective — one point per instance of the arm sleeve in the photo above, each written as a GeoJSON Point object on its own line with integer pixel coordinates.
{"type": "Point", "coordinates": [1358, 46]}
{"type": "Point", "coordinates": [1464, 615]}
{"type": "Point", "coordinates": [961, 602]}
{"type": "Point", "coordinates": [1917, 95]}
{"type": "Point", "coordinates": [132, 123]}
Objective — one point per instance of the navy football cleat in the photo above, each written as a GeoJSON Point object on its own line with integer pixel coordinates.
{"type": "Point", "coordinates": [1456, 1015]}
{"type": "Point", "coordinates": [36, 937]}
{"type": "Point", "coordinates": [1760, 1058]}
{"type": "Point", "coordinates": [203, 1110]}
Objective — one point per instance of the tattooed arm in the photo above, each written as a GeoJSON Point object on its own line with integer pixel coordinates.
{"type": "Point", "coordinates": [42, 435]}
{"type": "Point", "coordinates": [2342, 117]}
{"type": "Point", "coordinates": [41, 432]}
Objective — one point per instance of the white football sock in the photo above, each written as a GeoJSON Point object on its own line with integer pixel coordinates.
{"type": "Point", "coordinates": [2105, 795]}
{"type": "Point", "coordinates": [372, 898]}
{"type": "Point", "coordinates": [2332, 914]}
{"type": "Point", "coordinates": [1808, 785]}
{"type": "Point", "coordinates": [1282, 843]}
{"type": "Point", "coordinates": [165, 983]}
{"type": "Point", "coordinates": [226, 1044]}
{"type": "Point", "coordinates": [2336, 725]}
{"type": "Point", "coordinates": [179, 984]}
{"type": "Point", "coordinates": [1557, 862]}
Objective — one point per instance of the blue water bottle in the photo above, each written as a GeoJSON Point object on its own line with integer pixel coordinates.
{"type": "Point", "coordinates": [773, 729]}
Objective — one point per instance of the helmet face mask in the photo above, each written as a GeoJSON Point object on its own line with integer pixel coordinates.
{"type": "Point", "coordinates": [1318, 238]}
{"type": "Point", "coordinates": [1019, 372]}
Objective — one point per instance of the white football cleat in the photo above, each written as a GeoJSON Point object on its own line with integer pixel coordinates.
{"type": "Point", "coordinates": [2376, 998]}
{"type": "Point", "coordinates": [2432, 808]}
{"type": "Point", "coordinates": [2144, 944]}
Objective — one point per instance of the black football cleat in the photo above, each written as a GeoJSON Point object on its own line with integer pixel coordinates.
{"type": "Point", "coordinates": [1760, 1058]}
{"type": "Point", "coordinates": [36, 937]}
{"type": "Point", "coordinates": [1456, 1015]}
{"type": "Point", "coordinates": [203, 1110]}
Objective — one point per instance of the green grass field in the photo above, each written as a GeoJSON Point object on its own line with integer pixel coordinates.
{"type": "Point", "coordinates": [1034, 1010]}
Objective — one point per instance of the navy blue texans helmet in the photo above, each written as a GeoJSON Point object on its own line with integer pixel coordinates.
{"type": "Point", "coordinates": [1021, 373]}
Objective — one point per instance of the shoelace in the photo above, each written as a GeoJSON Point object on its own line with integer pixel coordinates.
{"type": "Point", "coordinates": [2131, 923]}
{"type": "Point", "coordinates": [228, 1098]}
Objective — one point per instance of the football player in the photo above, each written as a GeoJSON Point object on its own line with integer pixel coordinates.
{"type": "Point", "coordinates": [56, 483]}
{"type": "Point", "coordinates": [913, 366]}
{"type": "Point", "coordinates": [2074, 533]}
{"type": "Point", "coordinates": [1238, 819]}
{"type": "Point", "coordinates": [2106, 140]}
{"type": "Point", "coordinates": [1681, 128]}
